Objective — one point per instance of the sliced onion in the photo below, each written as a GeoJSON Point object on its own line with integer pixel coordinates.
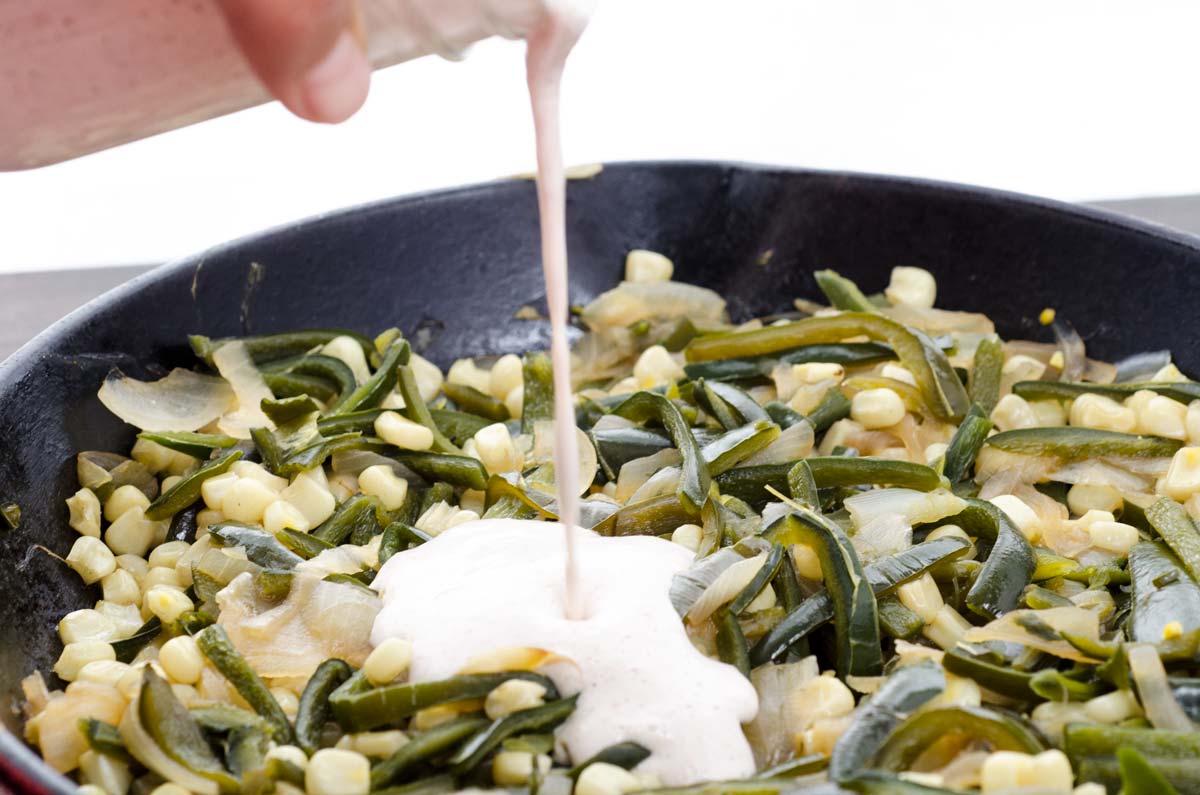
{"type": "Point", "coordinates": [1154, 691]}
{"type": "Point", "coordinates": [884, 535]}
{"type": "Point", "coordinates": [1141, 366]}
{"type": "Point", "coordinates": [1096, 372]}
{"type": "Point", "coordinates": [142, 747]}
{"type": "Point", "coordinates": [635, 473]}
{"type": "Point", "coordinates": [631, 302]}
{"type": "Point", "coordinates": [913, 507]}
{"type": "Point", "coordinates": [1010, 468]}
{"type": "Point", "coordinates": [689, 585]}
{"type": "Point", "coordinates": [58, 735]}
{"type": "Point", "coordinates": [1099, 473]}
{"type": "Point", "coordinates": [233, 362]}
{"type": "Point", "coordinates": [792, 444]}
{"type": "Point", "coordinates": [543, 452]}
{"type": "Point", "coordinates": [781, 715]}
{"type": "Point", "coordinates": [729, 584]}
{"type": "Point", "coordinates": [1073, 351]}
{"type": "Point", "coordinates": [612, 422]}
{"type": "Point", "coordinates": [660, 484]}
{"type": "Point", "coordinates": [183, 401]}
{"type": "Point", "coordinates": [1074, 621]}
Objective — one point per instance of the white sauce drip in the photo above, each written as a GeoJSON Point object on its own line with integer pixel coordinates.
{"type": "Point", "coordinates": [497, 583]}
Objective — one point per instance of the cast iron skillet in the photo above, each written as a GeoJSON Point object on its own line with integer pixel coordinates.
{"type": "Point", "coordinates": [451, 268]}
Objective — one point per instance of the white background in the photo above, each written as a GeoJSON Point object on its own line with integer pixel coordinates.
{"type": "Point", "coordinates": [1075, 99]}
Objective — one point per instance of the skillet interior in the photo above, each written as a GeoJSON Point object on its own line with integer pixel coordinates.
{"type": "Point", "coordinates": [451, 269]}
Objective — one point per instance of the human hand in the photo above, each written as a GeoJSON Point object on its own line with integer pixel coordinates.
{"type": "Point", "coordinates": [308, 53]}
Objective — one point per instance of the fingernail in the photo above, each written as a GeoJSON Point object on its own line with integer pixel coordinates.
{"type": "Point", "coordinates": [337, 85]}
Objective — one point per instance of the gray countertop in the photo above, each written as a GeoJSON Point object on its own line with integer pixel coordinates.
{"type": "Point", "coordinates": [29, 302]}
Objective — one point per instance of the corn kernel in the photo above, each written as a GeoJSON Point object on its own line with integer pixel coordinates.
{"type": "Point", "coordinates": [807, 564]}
{"type": "Point", "coordinates": [167, 603]}
{"type": "Point", "coordinates": [911, 287]}
{"type": "Point", "coordinates": [825, 697]}
{"type": "Point", "coordinates": [379, 745]}
{"type": "Point", "coordinates": [1049, 413]}
{"type": "Point", "coordinates": [816, 372]}
{"type": "Point", "coordinates": [1023, 368]}
{"type": "Point", "coordinates": [656, 366]}
{"type": "Point", "coordinates": [76, 655]}
{"type": "Point", "coordinates": [91, 559]}
{"type": "Point", "coordinates": [206, 518]}
{"type": "Point", "coordinates": [181, 659]}
{"type": "Point", "coordinates": [1051, 771]}
{"type": "Point", "coordinates": [935, 451]}
{"type": "Point", "coordinates": [1112, 707]}
{"type": "Point", "coordinates": [157, 458]}
{"type": "Point", "coordinates": [952, 530]}
{"type": "Point", "coordinates": [602, 778]}
{"type": "Point", "coordinates": [1024, 517]}
{"type": "Point", "coordinates": [123, 499]}
{"type": "Point", "coordinates": [247, 499]}
{"type": "Point", "coordinates": [309, 492]}
{"type": "Point", "coordinates": [898, 373]}
{"type": "Point", "coordinates": [1098, 411]}
{"type": "Point", "coordinates": [170, 788]}
{"type": "Point", "coordinates": [506, 374]}
{"type": "Point", "coordinates": [877, 408]}
{"type": "Point", "coordinates": [332, 771]}
{"type": "Point", "coordinates": [1172, 630]}
{"type": "Point", "coordinates": [643, 266]}
{"type": "Point", "coordinates": [441, 516]}
{"type": "Point", "coordinates": [81, 625]}
{"type": "Point", "coordinates": [839, 435]}
{"type": "Point", "coordinates": [1090, 788]}
{"type": "Point", "coordinates": [1162, 416]}
{"type": "Point", "coordinates": [1192, 422]}
{"type": "Point", "coordinates": [430, 717]}
{"type": "Point", "coordinates": [127, 618]}
{"type": "Point", "coordinates": [1113, 537]}
{"type": "Point", "coordinates": [466, 373]}
{"type": "Point", "coordinates": [290, 754]}
{"type": "Point", "coordinates": [822, 736]}
{"type": "Point", "coordinates": [427, 375]}
{"type": "Point", "coordinates": [764, 601]}
{"type": "Point", "coordinates": [1183, 476]}
{"type": "Point", "coordinates": [282, 515]}
{"type": "Point", "coordinates": [496, 449]}
{"type": "Point", "coordinates": [688, 535]}
{"type": "Point", "coordinates": [102, 672]}
{"type": "Point", "coordinates": [1013, 412]}
{"type": "Point", "coordinates": [388, 661]}
{"type": "Point", "coordinates": [85, 513]}
{"type": "Point", "coordinates": [286, 700]}
{"type": "Point", "coordinates": [514, 768]}
{"type": "Point", "coordinates": [513, 696]}
{"type": "Point", "coordinates": [514, 401]}
{"type": "Point", "coordinates": [248, 470]}
{"type": "Point", "coordinates": [1084, 497]}
{"type": "Point", "coordinates": [107, 772]}
{"type": "Point", "coordinates": [161, 576]}
{"type": "Point", "coordinates": [1003, 770]}
{"type": "Point", "coordinates": [403, 432]}
{"type": "Point", "coordinates": [347, 350]}
{"type": "Point", "coordinates": [922, 597]}
{"type": "Point", "coordinates": [213, 490]}
{"type": "Point", "coordinates": [380, 481]}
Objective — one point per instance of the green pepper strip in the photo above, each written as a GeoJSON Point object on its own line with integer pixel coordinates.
{"type": "Point", "coordinates": [458, 426]}
{"type": "Point", "coordinates": [727, 370]}
{"type": "Point", "coordinates": [246, 752]}
{"type": "Point", "coordinates": [1175, 526]}
{"type": "Point", "coordinates": [1163, 593]}
{"type": "Point", "coordinates": [104, 738]}
{"type": "Point", "coordinates": [360, 511]}
{"type": "Point", "coordinates": [984, 382]}
{"type": "Point", "coordinates": [1052, 685]}
{"type": "Point", "coordinates": [761, 580]}
{"type": "Point", "coordinates": [305, 545]}
{"type": "Point", "coordinates": [176, 732]}
{"type": "Point", "coordinates": [187, 491]}
{"type": "Point", "coordinates": [897, 620]}
{"type": "Point", "coordinates": [314, 710]}
{"type": "Point", "coordinates": [397, 537]}
{"type": "Point", "coordinates": [353, 422]}
{"type": "Point", "coordinates": [843, 293]}
{"type": "Point", "coordinates": [802, 486]}
{"type": "Point", "coordinates": [627, 755]}
{"type": "Point", "coordinates": [1085, 740]}
{"type": "Point", "coordinates": [216, 646]}
{"type": "Point", "coordinates": [278, 346]}
{"type": "Point", "coordinates": [358, 707]}
{"type": "Point", "coordinates": [733, 447]}
{"type": "Point", "coordinates": [1139, 777]}
{"type": "Point", "coordinates": [878, 782]}
{"type": "Point", "coordinates": [800, 766]}
{"type": "Point", "coordinates": [1002, 679]}
{"type": "Point", "coordinates": [372, 392]}
{"type": "Point", "coordinates": [730, 406]}
{"type": "Point", "coordinates": [749, 483]}
{"type": "Point", "coordinates": [540, 718]}
{"type": "Point", "coordinates": [197, 445]}
{"type": "Point", "coordinates": [431, 785]}
{"type": "Point", "coordinates": [731, 642]}
{"type": "Point", "coordinates": [616, 447]}
{"type": "Point", "coordinates": [1079, 444]}
{"type": "Point", "coordinates": [416, 410]}
{"type": "Point", "coordinates": [538, 403]}
{"type": "Point", "coordinates": [694, 480]}
{"type": "Point", "coordinates": [935, 377]}
{"type": "Point", "coordinates": [423, 747]}
{"type": "Point", "coordinates": [262, 548]}
{"type": "Point", "coordinates": [884, 575]}
{"type": "Point", "coordinates": [899, 695]}
{"type": "Point", "coordinates": [1184, 392]}
{"type": "Point", "coordinates": [472, 401]}
{"type": "Point", "coordinates": [1009, 566]}
{"type": "Point", "coordinates": [333, 371]}
{"type": "Point", "coordinates": [127, 648]}
{"type": "Point", "coordinates": [457, 470]}
{"type": "Point", "coordinates": [910, 738]}
{"type": "Point", "coordinates": [856, 621]}
{"type": "Point", "coordinates": [966, 443]}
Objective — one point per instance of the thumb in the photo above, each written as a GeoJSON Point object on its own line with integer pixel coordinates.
{"type": "Point", "coordinates": [308, 53]}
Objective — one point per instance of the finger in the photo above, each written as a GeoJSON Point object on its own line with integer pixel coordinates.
{"type": "Point", "coordinates": [308, 53]}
